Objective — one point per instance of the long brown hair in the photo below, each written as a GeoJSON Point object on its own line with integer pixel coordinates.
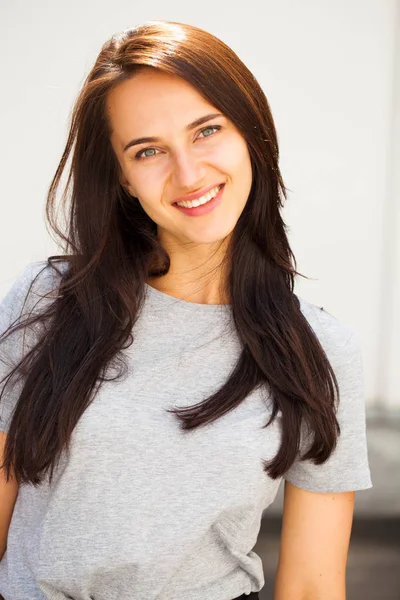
{"type": "Point", "coordinates": [111, 248]}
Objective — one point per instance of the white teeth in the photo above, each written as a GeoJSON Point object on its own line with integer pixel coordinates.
{"type": "Point", "coordinates": [202, 200]}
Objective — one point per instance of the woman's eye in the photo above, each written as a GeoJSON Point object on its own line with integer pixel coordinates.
{"type": "Point", "coordinates": [210, 128]}
{"type": "Point", "coordinates": [139, 154]}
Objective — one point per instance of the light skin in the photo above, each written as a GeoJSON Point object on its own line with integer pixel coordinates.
{"type": "Point", "coordinates": [156, 104]}
{"type": "Point", "coordinates": [316, 526]}
{"type": "Point", "coordinates": [314, 545]}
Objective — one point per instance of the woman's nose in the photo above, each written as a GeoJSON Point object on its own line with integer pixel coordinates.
{"type": "Point", "coordinates": [188, 172]}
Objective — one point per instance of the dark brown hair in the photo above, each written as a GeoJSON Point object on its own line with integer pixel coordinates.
{"type": "Point", "coordinates": [111, 248]}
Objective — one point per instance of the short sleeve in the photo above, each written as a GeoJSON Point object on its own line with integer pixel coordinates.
{"type": "Point", "coordinates": [12, 347]}
{"type": "Point", "coordinates": [347, 469]}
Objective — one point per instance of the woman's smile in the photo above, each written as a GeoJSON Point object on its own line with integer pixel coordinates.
{"type": "Point", "coordinates": [203, 205]}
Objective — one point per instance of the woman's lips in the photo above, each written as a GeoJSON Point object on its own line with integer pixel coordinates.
{"type": "Point", "coordinates": [198, 195]}
{"type": "Point", "coordinates": [203, 209]}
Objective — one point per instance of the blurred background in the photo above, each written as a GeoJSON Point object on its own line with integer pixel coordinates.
{"type": "Point", "coordinates": [331, 72]}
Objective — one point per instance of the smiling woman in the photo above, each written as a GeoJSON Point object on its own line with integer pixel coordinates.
{"type": "Point", "coordinates": [184, 165]}
{"type": "Point", "coordinates": [166, 378]}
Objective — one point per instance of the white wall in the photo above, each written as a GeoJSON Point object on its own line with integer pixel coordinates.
{"type": "Point", "coordinates": [388, 347]}
{"type": "Point", "coordinates": [328, 70]}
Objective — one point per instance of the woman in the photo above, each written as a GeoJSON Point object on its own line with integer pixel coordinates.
{"type": "Point", "coordinates": [168, 377]}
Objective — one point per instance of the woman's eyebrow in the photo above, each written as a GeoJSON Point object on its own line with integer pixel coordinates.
{"type": "Point", "coordinates": [196, 123]}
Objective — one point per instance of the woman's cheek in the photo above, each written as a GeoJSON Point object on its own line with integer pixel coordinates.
{"type": "Point", "coordinates": [148, 184]}
{"type": "Point", "coordinates": [229, 154]}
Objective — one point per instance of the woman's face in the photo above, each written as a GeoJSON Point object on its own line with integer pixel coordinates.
{"type": "Point", "coordinates": [184, 158]}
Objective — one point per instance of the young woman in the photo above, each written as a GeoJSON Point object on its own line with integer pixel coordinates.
{"type": "Point", "coordinates": [161, 378]}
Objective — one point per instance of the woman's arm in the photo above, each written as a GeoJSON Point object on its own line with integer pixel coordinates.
{"type": "Point", "coordinates": [314, 545]}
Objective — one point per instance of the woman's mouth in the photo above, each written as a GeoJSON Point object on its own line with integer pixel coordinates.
{"type": "Point", "coordinates": [202, 205]}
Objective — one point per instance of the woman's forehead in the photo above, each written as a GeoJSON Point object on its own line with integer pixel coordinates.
{"type": "Point", "coordinates": [153, 104]}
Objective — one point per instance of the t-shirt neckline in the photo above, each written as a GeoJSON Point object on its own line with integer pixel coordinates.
{"type": "Point", "coordinates": [167, 299]}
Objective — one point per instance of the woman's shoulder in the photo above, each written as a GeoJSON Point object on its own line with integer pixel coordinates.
{"type": "Point", "coordinates": [41, 274]}
{"type": "Point", "coordinates": [333, 333]}
{"type": "Point", "coordinates": [34, 285]}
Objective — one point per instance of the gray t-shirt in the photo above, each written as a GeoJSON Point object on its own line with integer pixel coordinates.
{"type": "Point", "coordinates": [143, 510]}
